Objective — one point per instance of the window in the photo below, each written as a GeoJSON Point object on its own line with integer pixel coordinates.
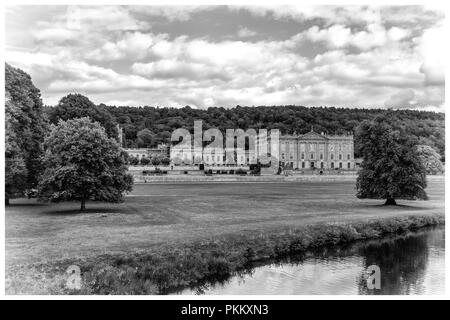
{"type": "Point", "coordinates": [340, 156]}
{"type": "Point", "coordinates": [312, 155]}
{"type": "Point", "coordinates": [207, 158]}
{"type": "Point", "coordinates": [340, 165]}
{"type": "Point", "coordinates": [348, 165]}
{"type": "Point", "coordinates": [303, 165]}
{"type": "Point", "coordinates": [291, 157]}
{"type": "Point", "coordinates": [282, 156]}
{"type": "Point", "coordinates": [348, 157]}
{"type": "Point", "coordinates": [332, 165]}
{"type": "Point", "coordinates": [218, 158]}
{"type": "Point", "coordinates": [303, 156]}
{"type": "Point", "coordinates": [321, 156]}
{"type": "Point", "coordinates": [332, 156]}
{"type": "Point", "coordinates": [321, 165]}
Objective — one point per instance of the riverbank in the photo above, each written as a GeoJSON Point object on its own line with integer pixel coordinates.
{"type": "Point", "coordinates": [167, 267]}
{"type": "Point", "coordinates": [411, 263]}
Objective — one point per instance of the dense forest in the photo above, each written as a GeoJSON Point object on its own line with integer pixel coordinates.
{"type": "Point", "coordinates": [428, 127]}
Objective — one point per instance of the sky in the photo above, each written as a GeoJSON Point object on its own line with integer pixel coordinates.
{"type": "Point", "coordinates": [205, 56]}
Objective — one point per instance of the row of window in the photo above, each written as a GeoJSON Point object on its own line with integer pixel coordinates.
{"type": "Point", "coordinates": [221, 158]}
{"type": "Point", "coordinates": [312, 156]}
{"type": "Point", "coordinates": [322, 165]}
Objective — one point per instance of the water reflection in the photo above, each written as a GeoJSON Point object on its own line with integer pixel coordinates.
{"type": "Point", "coordinates": [410, 264]}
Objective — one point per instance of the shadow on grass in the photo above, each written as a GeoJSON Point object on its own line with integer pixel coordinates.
{"type": "Point", "coordinates": [391, 208]}
{"type": "Point", "coordinates": [26, 204]}
{"type": "Point", "coordinates": [76, 211]}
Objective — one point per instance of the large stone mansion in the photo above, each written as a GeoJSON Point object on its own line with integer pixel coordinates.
{"type": "Point", "coordinates": [309, 151]}
{"type": "Point", "coordinates": [317, 151]}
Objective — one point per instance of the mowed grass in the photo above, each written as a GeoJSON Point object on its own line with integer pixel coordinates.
{"type": "Point", "coordinates": [157, 215]}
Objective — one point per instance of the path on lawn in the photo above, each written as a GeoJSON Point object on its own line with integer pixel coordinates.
{"type": "Point", "coordinates": [158, 214]}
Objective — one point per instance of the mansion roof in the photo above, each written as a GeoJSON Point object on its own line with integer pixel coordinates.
{"type": "Point", "coordinates": [312, 135]}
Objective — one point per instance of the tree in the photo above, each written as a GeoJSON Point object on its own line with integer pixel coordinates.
{"type": "Point", "coordinates": [15, 169]}
{"type": "Point", "coordinates": [25, 128]}
{"type": "Point", "coordinates": [156, 160]}
{"type": "Point", "coordinates": [428, 126]}
{"type": "Point", "coordinates": [177, 161]}
{"type": "Point", "coordinates": [75, 105]}
{"type": "Point", "coordinates": [145, 161]}
{"type": "Point", "coordinates": [165, 161]}
{"type": "Point", "coordinates": [145, 138]}
{"type": "Point", "coordinates": [134, 161]}
{"type": "Point", "coordinates": [391, 167]}
{"type": "Point", "coordinates": [82, 163]}
{"type": "Point", "coordinates": [430, 159]}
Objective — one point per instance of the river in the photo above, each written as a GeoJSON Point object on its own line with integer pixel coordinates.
{"type": "Point", "coordinates": [410, 264]}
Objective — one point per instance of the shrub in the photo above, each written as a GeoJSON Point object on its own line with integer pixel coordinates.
{"type": "Point", "coordinates": [145, 161]}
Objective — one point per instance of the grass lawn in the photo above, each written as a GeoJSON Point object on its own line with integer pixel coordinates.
{"type": "Point", "coordinates": [171, 214]}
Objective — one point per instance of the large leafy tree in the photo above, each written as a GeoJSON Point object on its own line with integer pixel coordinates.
{"type": "Point", "coordinates": [430, 159]}
{"type": "Point", "coordinates": [145, 138]}
{"type": "Point", "coordinates": [15, 169]}
{"type": "Point", "coordinates": [25, 128]}
{"type": "Point", "coordinates": [75, 105]}
{"type": "Point", "coordinates": [83, 163]}
{"type": "Point", "coordinates": [391, 167]}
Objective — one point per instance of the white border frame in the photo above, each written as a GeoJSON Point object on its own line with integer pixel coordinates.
{"type": "Point", "coordinates": [438, 4]}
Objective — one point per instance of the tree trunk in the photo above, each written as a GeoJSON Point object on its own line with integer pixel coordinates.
{"type": "Point", "coordinates": [390, 202]}
{"type": "Point", "coordinates": [83, 205]}
{"type": "Point", "coordinates": [6, 201]}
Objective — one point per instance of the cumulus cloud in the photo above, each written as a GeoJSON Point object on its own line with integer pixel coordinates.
{"type": "Point", "coordinates": [244, 32]}
{"type": "Point", "coordinates": [62, 75]}
{"type": "Point", "coordinates": [332, 14]}
{"type": "Point", "coordinates": [133, 45]}
{"type": "Point", "coordinates": [434, 54]}
{"type": "Point", "coordinates": [172, 13]}
{"type": "Point", "coordinates": [339, 36]}
{"type": "Point", "coordinates": [101, 18]}
{"type": "Point", "coordinates": [168, 69]}
{"type": "Point", "coordinates": [357, 57]}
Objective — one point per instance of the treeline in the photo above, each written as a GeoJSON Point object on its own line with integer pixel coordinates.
{"type": "Point", "coordinates": [427, 127]}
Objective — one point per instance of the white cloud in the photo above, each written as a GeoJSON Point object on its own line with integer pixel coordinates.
{"type": "Point", "coordinates": [64, 76]}
{"type": "Point", "coordinates": [101, 18]}
{"type": "Point", "coordinates": [331, 14]}
{"type": "Point", "coordinates": [168, 68]}
{"type": "Point", "coordinates": [351, 14]}
{"type": "Point", "coordinates": [244, 32]}
{"type": "Point", "coordinates": [356, 57]}
{"type": "Point", "coordinates": [133, 45]}
{"type": "Point", "coordinates": [50, 33]}
{"type": "Point", "coordinates": [340, 36]}
{"type": "Point", "coordinates": [433, 50]}
{"type": "Point", "coordinates": [172, 13]}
